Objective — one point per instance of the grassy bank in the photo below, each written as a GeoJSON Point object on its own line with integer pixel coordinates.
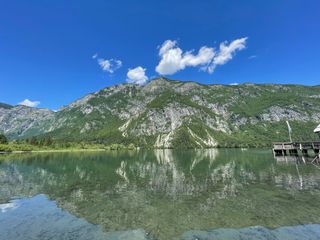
{"type": "Point", "coordinates": [13, 147]}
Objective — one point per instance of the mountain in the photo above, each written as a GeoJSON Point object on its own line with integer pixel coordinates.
{"type": "Point", "coordinates": [5, 106]}
{"type": "Point", "coordinates": [166, 113]}
{"type": "Point", "coordinates": [22, 121]}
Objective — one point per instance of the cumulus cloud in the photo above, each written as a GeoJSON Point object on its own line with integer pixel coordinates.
{"type": "Point", "coordinates": [29, 103]}
{"type": "Point", "coordinates": [174, 59]}
{"type": "Point", "coordinates": [226, 52]}
{"type": "Point", "coordinates": [137, 75]}
{"type": "Point", "coordinates": [166, 46]}
{"type": "Point", "coordinates": [108, 65]}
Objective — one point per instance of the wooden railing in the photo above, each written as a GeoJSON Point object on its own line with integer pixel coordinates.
{"type": "Point", "coordinates": [296, 145]}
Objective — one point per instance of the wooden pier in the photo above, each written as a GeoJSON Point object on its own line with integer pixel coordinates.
{"type": "Point", "coordinates": [296, 148]}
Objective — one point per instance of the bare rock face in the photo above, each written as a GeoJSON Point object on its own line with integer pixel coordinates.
{"type": "Point", "coordinates": [21, 120]}
{"type": "Point", "coordinates": [165, 113]}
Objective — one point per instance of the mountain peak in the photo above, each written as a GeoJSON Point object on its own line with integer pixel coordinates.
{"type": "Point", "coordinates": [158, 84]}
{"type": "Point", "coordinates": [159, 80]}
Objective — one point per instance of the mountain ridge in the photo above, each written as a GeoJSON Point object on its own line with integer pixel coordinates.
{"type": "Point", "coordinates": [5, 105]}
{"type": "Point", "coordinates": [169, 113]}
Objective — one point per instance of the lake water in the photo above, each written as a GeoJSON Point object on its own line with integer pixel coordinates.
{"type": "Point", "coordinates": [161, 194]}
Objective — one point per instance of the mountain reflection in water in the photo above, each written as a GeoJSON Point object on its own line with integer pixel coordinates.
{"type": "Point", "coordinates": [168, 193]}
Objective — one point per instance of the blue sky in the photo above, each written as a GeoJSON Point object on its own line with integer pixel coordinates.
{"type": "Point", "coordinates": [50, 50]}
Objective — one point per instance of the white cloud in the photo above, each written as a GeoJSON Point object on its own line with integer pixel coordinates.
{"type": "Point", "coordinates": [109, 65]}
{"type": "Point", "coordinates": [252, 56]}
{"type": "Point", "coordinates": [29, 103]}
{"type": "Point", "coordinates": [166, 46]}
{"type": "Point", "coordinates": [137, 75]}
{"type": "Point", "coordinates": [226, 51]}
{"type": "Point", "coordinates": [234, 84]}
{"type": "Point", "coordinates": [174, 59]}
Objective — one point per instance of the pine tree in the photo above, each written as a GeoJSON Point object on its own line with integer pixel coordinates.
{"type": "Point", "coordinates": [3, 139]}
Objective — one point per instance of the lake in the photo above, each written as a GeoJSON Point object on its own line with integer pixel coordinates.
{"type": "Point", "coordinates": [158, 194]}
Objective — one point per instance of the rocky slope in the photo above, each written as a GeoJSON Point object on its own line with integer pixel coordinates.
{"type": "Point", "coordinates": [166, 113]}
{"type": "Point", "coordinates": [22, 121]}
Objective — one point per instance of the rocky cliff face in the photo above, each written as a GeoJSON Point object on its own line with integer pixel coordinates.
{"type": "Point", "coordinates": [166, 113]}
{"type": "Point", "coordinates": [22, 121]}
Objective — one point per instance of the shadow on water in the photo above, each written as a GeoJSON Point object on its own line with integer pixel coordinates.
{"type": "Point", "coordinates": [168, 193]}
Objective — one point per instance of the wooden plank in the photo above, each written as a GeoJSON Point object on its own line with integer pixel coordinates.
{"type": "Point", "coordinates": [296, 145]}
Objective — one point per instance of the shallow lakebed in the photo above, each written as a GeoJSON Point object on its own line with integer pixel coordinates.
{"type": "Point", "coordinates": [160, 194]}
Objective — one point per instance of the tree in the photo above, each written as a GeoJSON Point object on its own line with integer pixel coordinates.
{"type": "Point", "coordinates": [33, 141]}
{"type": "Point", "coordinates": [3, 139]}
{"type": "Point", "coordinates": [48, 141]}
{"type": "Point", "coordinates": [131, 146]}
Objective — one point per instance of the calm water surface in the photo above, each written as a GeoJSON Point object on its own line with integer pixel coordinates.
{"type": "Point", "coordinates": [161, 194]}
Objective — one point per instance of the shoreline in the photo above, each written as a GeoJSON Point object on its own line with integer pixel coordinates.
{"type": "Point", "coordinates": [56, 150]}
{"type": "Point", "coordinates": [103, 149]}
